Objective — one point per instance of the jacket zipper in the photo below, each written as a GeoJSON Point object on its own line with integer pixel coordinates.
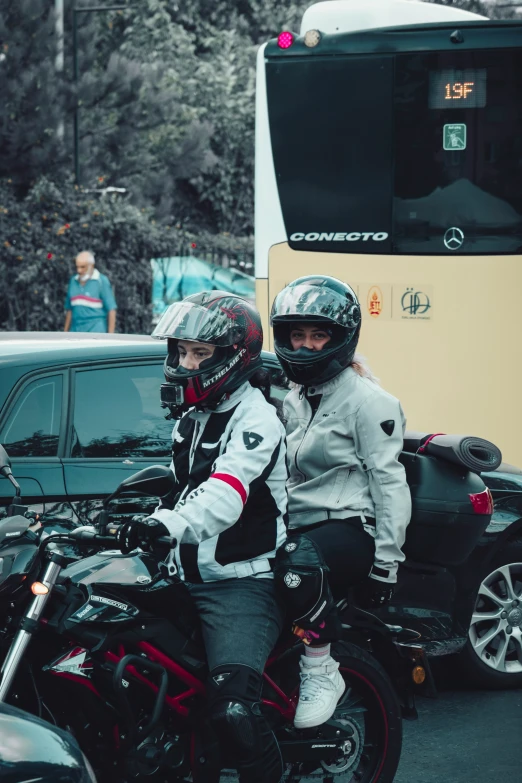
{"type": "Point", "coordinates": [193, 445]}
{"type": "Point", "coordinates": [303, 439]}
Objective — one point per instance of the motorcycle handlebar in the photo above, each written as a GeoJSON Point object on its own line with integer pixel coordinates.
{"type": "Point", "coordinates": [167, 541]}
{"type": "Point", "coordinates": [90, 536]}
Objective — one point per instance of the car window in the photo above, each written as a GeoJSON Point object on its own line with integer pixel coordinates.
{"type": "Point", "coordinates": [118, 413]}
{"type": "Point", "coordinates": [32, 428]}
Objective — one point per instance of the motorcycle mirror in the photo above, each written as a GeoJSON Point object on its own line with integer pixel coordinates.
{"type": "Point", "coordinates": [5, 470]}
{"type": "Point", "coordinates": [156, 481]}
{"type": "Point", "coordinates": [5, 462]}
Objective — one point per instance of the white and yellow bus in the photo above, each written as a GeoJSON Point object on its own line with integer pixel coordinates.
{"type": "Point", "coordinates": [389, 154]}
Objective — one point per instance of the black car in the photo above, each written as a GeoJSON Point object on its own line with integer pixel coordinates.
{"type": "Point", "coordinates": [81, 412]}
{"type": "Point", "coordinates": [32, 750]}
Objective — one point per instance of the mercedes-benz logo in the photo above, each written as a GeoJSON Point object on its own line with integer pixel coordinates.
{"type": "Point", "coordinates": [454, 238]}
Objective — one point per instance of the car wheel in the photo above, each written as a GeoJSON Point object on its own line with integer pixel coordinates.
{"type": "Point", "coordinates": [492, 657]}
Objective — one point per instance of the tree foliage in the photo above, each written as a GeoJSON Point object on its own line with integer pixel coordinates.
{"type": "Point", "coordinates": [134, 126]}
{"type": "Point", "coordinates": [34, 97]}
{"type": "Point", "coordinates": [165, 101]}
{"type": "Point", "coordinates": [215, 77]}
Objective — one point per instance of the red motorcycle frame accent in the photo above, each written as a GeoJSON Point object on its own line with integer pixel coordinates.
{"type": "Point", "coordinates": [194, 686]}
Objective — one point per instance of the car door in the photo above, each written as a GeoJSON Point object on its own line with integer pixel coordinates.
{"type": "Point", "coordinates": [116, 427]}
{"type": "Point", "coordinates": [32, 432]}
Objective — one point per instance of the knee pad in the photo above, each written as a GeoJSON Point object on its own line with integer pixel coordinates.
{"type": "Point", "coordinates": [234, 694]}
{"type": "Point", "coordinates": [301, 580]}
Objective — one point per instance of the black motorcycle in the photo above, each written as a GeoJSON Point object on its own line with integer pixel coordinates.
{"type": "Point", "coordinates": [118, 661]}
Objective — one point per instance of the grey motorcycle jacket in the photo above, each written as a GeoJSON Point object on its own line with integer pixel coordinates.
{"type": "Point", "coordinates": [343, 462]}
{"type": "Point", "coordinates": [229, 513]}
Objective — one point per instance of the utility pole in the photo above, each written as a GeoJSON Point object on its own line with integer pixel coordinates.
{"type": "Point", "coordinates": [76, 101]}
{"type": "Point", "coordinates": [58, 26]}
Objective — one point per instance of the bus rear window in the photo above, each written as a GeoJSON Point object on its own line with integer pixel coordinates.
{"type": "Point", "coordinates": [404, 153]}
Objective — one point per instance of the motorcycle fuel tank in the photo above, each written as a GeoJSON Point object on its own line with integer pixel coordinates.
{"type": "Point", "coordinates": [110, 584]}
{"type": "Point", "coordinates": [113, 568]}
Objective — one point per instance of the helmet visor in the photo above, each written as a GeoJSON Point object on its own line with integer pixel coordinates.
{"type": "Point", "coordinates": [313, 303]}
{"type": "Point", "coordinates": [189, 321]}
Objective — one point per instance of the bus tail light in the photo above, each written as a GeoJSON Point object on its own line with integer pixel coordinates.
{"type": "Point", "coordinates": [482, 502]}
{"type": "Point", "coordinates": [285, 40]}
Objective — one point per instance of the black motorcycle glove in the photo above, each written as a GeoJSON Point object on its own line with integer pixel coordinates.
{"type": "Point", "coordinates": [372, 593]}
{"type": "Point", "coordinates": [142, 531]}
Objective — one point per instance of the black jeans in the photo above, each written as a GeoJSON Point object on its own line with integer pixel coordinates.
{"type": "Point", "coordinates": [240, 620]}
{"type": "Point", "coordinates": [347, 548]}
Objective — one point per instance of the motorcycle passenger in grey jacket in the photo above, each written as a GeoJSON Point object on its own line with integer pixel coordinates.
{"type": "Point", "coordinates": [347, 490]}
{"type": "Point", "coordinates": [343, 462]}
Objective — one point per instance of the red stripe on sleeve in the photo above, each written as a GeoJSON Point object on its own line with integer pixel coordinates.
{"type": "Point", "coordinates": [234, 483]}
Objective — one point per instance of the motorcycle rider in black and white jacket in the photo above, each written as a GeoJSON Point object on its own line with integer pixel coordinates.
{"type": "Point", "coordinates": [347, 490]}
{"type": "Point", "coordinates": [229, 513]}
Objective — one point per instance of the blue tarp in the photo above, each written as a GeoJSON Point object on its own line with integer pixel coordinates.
{"type": "Point", "coordinates": [179, 276]}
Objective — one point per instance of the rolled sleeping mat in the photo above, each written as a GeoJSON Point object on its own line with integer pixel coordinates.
{"type": "Point", "coordinates": [475, 454]}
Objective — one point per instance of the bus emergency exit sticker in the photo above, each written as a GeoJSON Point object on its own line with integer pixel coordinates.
{"type": "Point", "coordinates": [455, 136]}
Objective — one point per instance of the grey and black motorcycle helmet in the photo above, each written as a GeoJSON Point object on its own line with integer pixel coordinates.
{"type": "Point", "coordinates": [324, 301]}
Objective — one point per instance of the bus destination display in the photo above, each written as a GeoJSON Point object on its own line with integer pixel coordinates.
{"type": "Point", "coordinates": [453, 88]}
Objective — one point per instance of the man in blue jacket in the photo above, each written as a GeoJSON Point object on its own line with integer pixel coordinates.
{"type": "Point", "coordinates": [89, 305]}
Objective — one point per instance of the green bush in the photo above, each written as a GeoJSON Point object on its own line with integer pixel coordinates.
{"type": "Point", "coordinates": [42, 234]}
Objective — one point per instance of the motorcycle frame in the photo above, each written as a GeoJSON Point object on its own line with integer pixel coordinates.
{"type": "Point", "coordinates": [194, 686]}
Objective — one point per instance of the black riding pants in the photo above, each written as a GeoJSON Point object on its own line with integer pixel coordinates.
{"type": "Point", "coordinates": [347, 548]}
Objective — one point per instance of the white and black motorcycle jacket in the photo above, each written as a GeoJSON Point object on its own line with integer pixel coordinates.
{"type": "Point", "coordinates": [229, 515]}
{"type": "Point", "coordinates": [343, 462]}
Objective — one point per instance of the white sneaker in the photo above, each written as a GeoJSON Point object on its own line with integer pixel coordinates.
{"type": "Point", "coordinates": [321, 688]}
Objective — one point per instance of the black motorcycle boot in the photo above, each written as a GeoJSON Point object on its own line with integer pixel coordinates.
{"type": "Point", "coordinates": [236, 716]}
{"type": "Point", "coordinates": [267, 767]}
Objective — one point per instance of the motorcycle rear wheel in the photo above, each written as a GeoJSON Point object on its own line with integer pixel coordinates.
{"type": "Point", "coordinates": [371, 706]}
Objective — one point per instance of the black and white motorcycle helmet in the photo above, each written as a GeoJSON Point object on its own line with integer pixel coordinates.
{"type": "Point", "coordinates": [329, 303]}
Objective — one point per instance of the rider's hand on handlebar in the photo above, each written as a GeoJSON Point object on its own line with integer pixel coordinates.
{"type": "Point", "coordinates": [142, 532]}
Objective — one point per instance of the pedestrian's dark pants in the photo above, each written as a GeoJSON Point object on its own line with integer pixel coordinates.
{"type": "Point", "coordinates": [348, 551]}
{"type": "Point", "coordinates": [240, 621]}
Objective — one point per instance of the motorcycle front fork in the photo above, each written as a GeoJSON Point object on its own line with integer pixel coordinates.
{"type": "Point", "coordinates": [28, 625]}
